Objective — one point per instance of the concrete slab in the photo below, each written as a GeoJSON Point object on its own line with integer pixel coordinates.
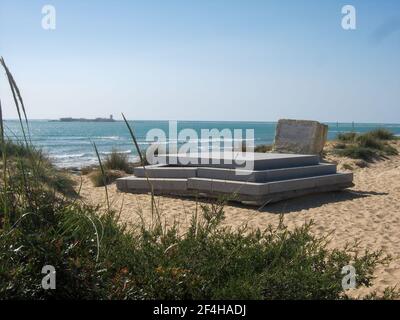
{"type": "Point", "coordinates": [274, 177]}
{"type": "Point", "coordinates": [263, 193]}
{"type": "Point", "coordinates": [266, 175]}
{"type": "Point", "coordinates": [296, 172]}
{"type": "Point", "coordinates": [286, 195]}
{"type": "Point", "coordinates": [226, 186]}
{"type": "Point", "coordinates": [137, 185]}
{"type": "Point", "coordinates": [257, 189]}
{"type": "Point", "coordinates": [310, 182]}
{"type": "Point", "coordinates": [161, 171]}
{"type": "Point", "coordinates": [257, 193]}
{"type": "Point", "coordinates": [300, 136]}
{"type": "Point", "coordinates": [251, 161]}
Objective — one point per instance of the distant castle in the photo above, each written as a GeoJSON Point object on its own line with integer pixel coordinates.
{"type": "Point", "coordinates": [110, 119]}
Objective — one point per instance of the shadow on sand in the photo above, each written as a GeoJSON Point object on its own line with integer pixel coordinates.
{"type": "Point", "coordinates": [288, 206]}
{"type": "Point", "coordinates": [317, 200]}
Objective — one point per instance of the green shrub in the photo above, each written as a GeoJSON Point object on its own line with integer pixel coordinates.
{"type": "Point", "coordinates": [109, 177]}
{"type": "Point", "coordinates": [13, 149]}
{"type": "Point", "coordinates": [88, 169]}
{"type": "Point", "coordinates": [25, 161]}
{"type": "Point", "coordinates": [56, 179]}
{"type": "Point", "coordinates": [368, 141]}
{"type": "Point", "coordinates": [263, 148]}
{"type": "Point", "coordinates": [390, 150]}
{"type": "Point", "coordinates": [347, 166]}
{"type": "Point", "coordinates": [382, 134]}
{"type": "Point", "coordinates": [117, 161]}
{"type": "Point", "coordinates": [361, 163]}
{"type": "Point", "coordinates": [367, 146]}
{"type": "Point", "coordinates": [242, 147]}
{"type": "Point", "coordinates": [347, 136]}
{"type": "Point", "coordinates": [97, 258]}
{"type": "Point", "coordinates": [357, 152]}
{"type": "Point", "coordinates": [18, 149]}
{"type": "Point", "coordinates": [340, 146]}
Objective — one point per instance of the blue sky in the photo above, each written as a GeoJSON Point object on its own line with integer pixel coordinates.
{"type": "Point", "coordinates": [204, 59]}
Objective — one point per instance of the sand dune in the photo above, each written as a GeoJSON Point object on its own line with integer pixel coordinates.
{"type": "Point", "coordinates": [368, 213]}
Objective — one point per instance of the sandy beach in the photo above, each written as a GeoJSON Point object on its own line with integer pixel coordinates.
{"type": "Point", "coordinates": [368, 213]}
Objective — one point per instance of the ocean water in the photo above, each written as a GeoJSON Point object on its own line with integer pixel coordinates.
{"type": "Point", "coordinates": [69, 144]}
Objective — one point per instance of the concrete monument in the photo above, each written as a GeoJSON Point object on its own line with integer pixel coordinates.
{"type": "Point", "coordinates": [300, 136]}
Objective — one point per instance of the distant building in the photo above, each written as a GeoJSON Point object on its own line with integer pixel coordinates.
{"type": "Point", "coordinates": [69, 119]}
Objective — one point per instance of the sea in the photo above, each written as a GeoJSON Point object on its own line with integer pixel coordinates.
{"type": "Point", "coordinates": [70, 144]}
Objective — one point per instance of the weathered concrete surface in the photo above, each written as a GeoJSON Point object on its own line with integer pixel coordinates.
{"type": "Point", "coordinates": [234, 174]}
{"type": "Point", "coordinates": [267, 175]}
{"type": "Point", "coordinates": [138, 185]}
{"type": "Point", "coordinates": [267, 188]}
{"type": "Point", "coordinates": [237, 160]}
{"type": "Point", "coordinates": [254, 192]}
{"type": "Point", "coordinates": [300, 136]}
{"type": "Point", "coordinates": [161, 171]}
{"type": "Point", "coordinates": [227, 187]}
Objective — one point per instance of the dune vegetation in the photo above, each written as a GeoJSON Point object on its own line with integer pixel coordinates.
{"type": "Point", "coordinates": [369, 146]}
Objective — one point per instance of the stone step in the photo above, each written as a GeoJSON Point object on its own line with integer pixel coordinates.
{"type": "Point", "coordinates": [159, 171]}
{"type": "Point", "coordinates": [140, 185]}
{"type": "Point", "coordinates": [251, 161]}
{"type": "Point", "coordinates": [162, 171]}
{"type": "Point", "coordinates": [258, 189]}
{"type": "Point", "coordinates": [266, 175]}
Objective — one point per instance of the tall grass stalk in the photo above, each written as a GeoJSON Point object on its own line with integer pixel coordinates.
{"type": "Point", "coordinates": [17, 101]}
{"type": "Point", "coordinates": [14, 91]}
{"type": "Point", "coordinates": [4, 158]}
{"type": "Point", "coordinates": [21, 101]}
{"type": "Point", "coordinates": [103, 175]}
{"type": "Point", "coordinates": [1, 124]}
{"type": "Point", "coordinates": [153, 202]}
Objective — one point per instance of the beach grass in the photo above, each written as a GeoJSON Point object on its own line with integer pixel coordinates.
{"type": "Point", "coordinates": [117, 161]}
{"type": "Point", "coordinates": [369, 146]}
{"type": "Point", "coordinates": [115, 165]}
{"type": "Point", "coordinates": [347, 136]}
{"type": "Point", "coordinates": [382, 134]}
{"type": "Point", "coordinates": [263, 148]}
{"type": "Point", "coordinates": [101, 179]}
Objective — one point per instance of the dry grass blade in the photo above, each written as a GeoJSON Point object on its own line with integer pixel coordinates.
{"type": "Point", "coordinates": [10, 81]}
{"type": "Point", "coordinates": [103, 174]}
{"type": "Point", "coordinates": [153, 203]}
{"type": "Point", "coordinates": [17, 100]}
{"type": "Point", "coordinates": [1, 124]}
{"type": "Point", "coordinates": [134, 139]}
{"type": "Point", "coordinates": [4, 158]}
{"type": "Point", "coordinates": [17, 91]}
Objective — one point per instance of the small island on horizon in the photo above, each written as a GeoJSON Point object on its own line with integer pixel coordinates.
{"type": "Point", "coordinates": [70, 119]}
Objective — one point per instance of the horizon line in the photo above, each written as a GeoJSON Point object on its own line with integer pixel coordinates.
{"type": "Point", "coordinates": [187, 120]}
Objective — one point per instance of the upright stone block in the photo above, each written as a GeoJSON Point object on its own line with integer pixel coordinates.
{"type": "Point", "coordinates": [300, 136]}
